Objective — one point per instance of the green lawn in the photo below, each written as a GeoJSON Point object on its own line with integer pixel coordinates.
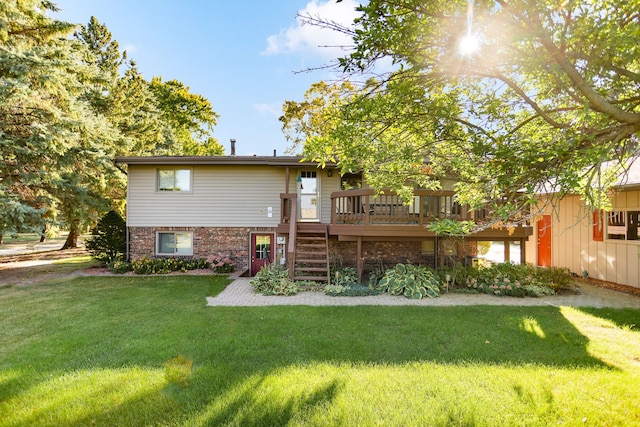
{"type": "Point", "coordinates": [147, 351]}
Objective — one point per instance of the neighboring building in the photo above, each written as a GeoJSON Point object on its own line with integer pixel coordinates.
{"type": "Point", "coordinates": [258, 210]}
{"type": "Point", "coordinates": [600, 245]}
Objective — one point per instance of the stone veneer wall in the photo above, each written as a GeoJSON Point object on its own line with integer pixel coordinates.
{"type": "Point", "coordinates": [231, 242]}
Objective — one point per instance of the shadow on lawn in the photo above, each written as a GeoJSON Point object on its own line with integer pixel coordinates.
{"type": "Point", "coordinates": [622, 318]}
{"type": "Point", "coordinates": [111, 323]}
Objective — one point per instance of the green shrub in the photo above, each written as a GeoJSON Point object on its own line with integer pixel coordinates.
{"type": "Point", "coordinates": [538, 290]}
{"type": "Point", "coordinates": [152, 266]}
{"type": "Point", "coordinates": [108, 238]}
{"type": "Point", "coordinates": [166, 265]}
{"type": "Point", "coordinates": [506, 279]}
{"type": "Point", "coordinates": [412, 281]}
{"type": "Point", "coordinates": [272, 279]}
{"type": "Point", "coordinates": [556, 277]}
{"type": "Point", "coordinates": [353, 290]}
{"type": "Point", "coordinates": [344, 276]}
{"type": "Point", "coordinates": [359, 291]}
{"type": "Point", "coordinates": [220, 265]}
{"type": "Point", "coordinates": [119, 266]}
{"type": "Point", "coordinates": [334, 290]}
{"type": "Point", "coordinates": [375, 276]}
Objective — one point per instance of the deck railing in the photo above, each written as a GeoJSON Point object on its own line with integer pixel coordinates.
{"type": "Point", "coordinates": [366, 208]}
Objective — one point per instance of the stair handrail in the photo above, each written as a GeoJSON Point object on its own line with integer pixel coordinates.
{"type": "Point", "coordinates": [326, 247]}
{"type": "Point", "coordinates": [293, 228]}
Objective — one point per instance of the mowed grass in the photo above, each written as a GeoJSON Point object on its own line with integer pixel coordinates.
{"type": "Point", "coordinates": [147, 351]}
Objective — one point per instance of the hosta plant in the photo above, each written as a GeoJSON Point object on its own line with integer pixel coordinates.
{"type": "Point", "coordinates": [412, 281]}
{"type": "Point", "coordinates": [273, 279]}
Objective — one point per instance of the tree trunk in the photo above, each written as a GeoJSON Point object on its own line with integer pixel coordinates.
{"type": "Point", "coordinates": [43, 235]}
{"type": "Point", "coordinates": [0, 238]}
{"type": "Point", "coordinates": [72, 238]}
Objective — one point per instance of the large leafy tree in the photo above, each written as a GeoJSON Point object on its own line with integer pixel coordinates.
{"type": "Point", "coordinates": [190, 116]}
{"type": "Point", "coordinates": [68, 105]}
{"type": "Point", "coordinates": [509, 97]}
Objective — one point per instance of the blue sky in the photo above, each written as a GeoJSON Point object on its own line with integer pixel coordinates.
{"type": "Point", "coordinates": [241, 56]}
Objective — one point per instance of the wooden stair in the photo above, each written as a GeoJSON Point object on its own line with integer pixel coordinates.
{"type": "Point", "coordinates": [312, 253]}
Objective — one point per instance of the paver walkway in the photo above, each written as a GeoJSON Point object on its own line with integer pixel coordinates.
{"type": "Point", "coordinates": [239, 293]}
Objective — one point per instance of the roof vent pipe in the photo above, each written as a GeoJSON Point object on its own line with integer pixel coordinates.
{"type": "Point", "coordinates": [233, 147]}
{"type": "Point", "coordinates": [274, 152]}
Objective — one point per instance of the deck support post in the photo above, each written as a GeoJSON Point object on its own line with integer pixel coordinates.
{"type": "Point", "coordinates": [359, 259]}
{"type": "Point", "coordinates": [507, 251]}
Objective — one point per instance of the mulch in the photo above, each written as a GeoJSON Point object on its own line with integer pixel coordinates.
{"type": "Point", "coordinates": [613, 286]}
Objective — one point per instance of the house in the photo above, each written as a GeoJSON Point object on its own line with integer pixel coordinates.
{"type": "Point", "coordinates": [279, 209]}
{"type": "Point", "coordinates": [599, 245]}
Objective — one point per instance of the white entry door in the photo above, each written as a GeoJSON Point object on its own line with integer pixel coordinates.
{"type": "Point", "coordinates": [309, 196]}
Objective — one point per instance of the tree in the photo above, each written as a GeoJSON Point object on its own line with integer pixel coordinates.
{"type": "Point", "coordinates": [108, 238]}
{"type": "Point", "coordinates": [49, 135]}
{"type": "Point", "coordinates": [544, 97]}
{"type": "Point", "coordinates": [190, 116]}
{"type": "Point", "coordinates": [310, 118]}
{"type": "Point", "coordinates": [66, 110]}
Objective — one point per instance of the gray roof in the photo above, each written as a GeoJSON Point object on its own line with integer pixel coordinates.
{"type": "Point", "coordinates": [218, 160]}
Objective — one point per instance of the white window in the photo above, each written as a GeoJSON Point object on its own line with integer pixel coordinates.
{"type": "Point", "coordinates": [174, 243]}
{"type": "Point", "coordinates": [623, 225]}
{"type": "Point", "coordinates": [172, 179]}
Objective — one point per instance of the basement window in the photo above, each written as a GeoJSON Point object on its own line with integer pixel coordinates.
{"type": "Point", "coordinates": [174, 243]}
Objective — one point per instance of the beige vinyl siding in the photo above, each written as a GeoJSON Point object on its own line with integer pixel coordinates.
{"type": "Point", "coordinates": [573, 247]}
{"type": "Point", "coordinates": [221, 196]}
{"type": "Point", "coordinates": [328, 185]}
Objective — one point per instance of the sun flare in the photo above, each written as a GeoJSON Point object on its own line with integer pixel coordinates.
{"type": "Point", "coordinates": [469, 44]}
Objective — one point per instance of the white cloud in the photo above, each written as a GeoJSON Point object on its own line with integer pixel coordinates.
{"type": "Point", "coordinates": [314, 40]}
{"type": "Point", "coordinates": [268, 109]}
{"type": "Point", "coordinates": [129, 48]}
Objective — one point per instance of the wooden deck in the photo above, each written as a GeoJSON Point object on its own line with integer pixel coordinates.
{"type": "Point", "coordinates": [360, 214]}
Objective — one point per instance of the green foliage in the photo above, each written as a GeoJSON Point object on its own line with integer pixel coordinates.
{"type": "Point", "coordinates": [166, 265]}
{"type": "Point", "coordinates": [450, 227]}
{"type": "Point", "coordinates": [412, 281]}
{"type": "Point", "coordinates": [119, 266]}
{"type": "Point", "coordinates": [375, 275]}
{"type": "Point", "coordinates": [548, 97]}
{"type": "Point", "coordinates": [506, 279]}
{"type": "Point", "coordinates": [352, 290]}
{"type": "Point", "coordinates": [68, 110]}
{"type": "Point", "coordinates": [334, 290]}
{"type": "Point", "coordinates": [272, 279]}
{"type": "Point", "coordinates": [190, 116]}
{"type": "Point", "coordinates": [220, 265]}
{"type": "Point", "coordinates": [344, 276]}
{"type": "Point", "coordinates": [16, 216]}
{"type": "Point", "coordinates": [108, 238]}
